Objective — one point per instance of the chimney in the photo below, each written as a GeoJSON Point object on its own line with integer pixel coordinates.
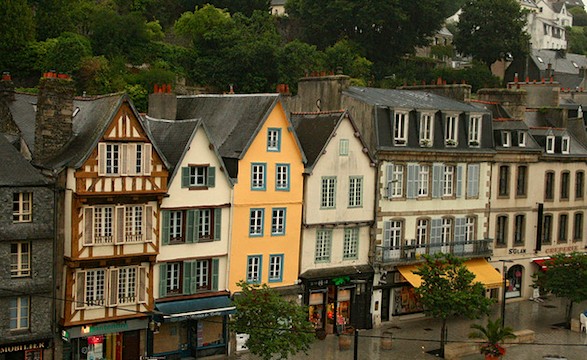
{"type": "Point", "coordinates": [163, 103]}
{"type": "Point", "coordinates": [53, 126]}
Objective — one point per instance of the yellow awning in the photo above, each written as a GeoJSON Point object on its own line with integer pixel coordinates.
{"type": "Point", "coordinates": [484, 273]}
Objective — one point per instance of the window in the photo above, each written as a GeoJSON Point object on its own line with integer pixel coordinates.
{"type": "Point", "coordinates": [198, 177]}
{"type": "Point", "coordinates": [112, 159]}
{"type": "Point", "coordinates": [343, 147]}
{"type": "Point", "coordinates": [395, 181]}
{"type": "Point", "coordinates": [426, 130]}
{"type": "Point", "coordinates": [188, 277]}
{"type": "Point", "coordinates": [422, 232]}
{"type": "Point", "coordinates": [176, 229]}
{"type": "Point", "coordinates": [522, 139]}
{"type": "Point", "coordinates": [423, 180]}
{"type": "Point", "coordinates": [351, 243]}
{"type": "Point", "coordinates": [95, 287]}
{"type": "Point", "coordinates": [206, 223]}
{"type": "Point", "coordinates": [282, 177]}
{"type": "Point", "coordinates": [550, 144]}
{"type": "Point", "coordinates": [202, 278]}
{"type": "Point", "coordinates": [174, 278]}
{"type": "Point", "coordinates": [323, 245]}
{"type": "Point", "coordinates": [472, 180]}
{"type": "Point", "coordinates": [563, 223]}
{"type": "Point", "coordinates": [451, 130]}
{"type": "Point", "coordinates": [549, 186]}
{"type": "Point", "coordinates": [579, 184]}
{"type": "Point", "coordinates": [328, 196]}
{"type": "Point", "coordinates": [469, 229]}
{"type": "Point", "coordinates": [501, 231]}
{"type": "Point", "coordinates": [103, 224]}
{"type": "Point", "coordinates": [120, 224]}
{"type": "Point", "coordinates": [504, 180]}
{"type": "Point", "coordinates": [565, 179]}
{"type": "Point", "coordinates": [19, 313]}
{"type": "Point", "coordinates": [20, 259]}
{"type": "Point", "coordinates": [519, 229]}
{"type": "Point", "coordinates": [275, 268]}
{"type": "Point", "coordinates": [273, 140]}
{"type": "Point", "coordinates": [258, 173]}
{"type": "Point", "coordinates": [133, 226]}
{"type": "Point", "coordinates": [254, 269]}
{"type": "Point", "coordinates": [278, 221]}
{"type": "Point", "coordinates": [566, 145]}
{"type": "Point", "coordinates": [474, 130]}
{"type": "Point", "coordinates": [392, 235]}
{"type": "Point", "coordinates": [506, 138]}
{"type": "Point", "coordinates": [22, 207]}
{"type": "Point", "coordinates": [355, 191]}
{"type": "Point", "coordinates": [256, 222]}
{"type": "Point", "coordinates": [578, 227]}
{"type": "Point", "coordinates": [400, 128]}
{"type": "Point", "coordinates": [521, 181]}
{"type": "Point", "coordinates": [448, 181]}
{"type": "Point", "coordinates": [133, 159]}
{"type": "Point", "coordinates": [127, 285]}
{"type": "Point", "coordinates": [446, 231]}
{"type": "Point", "coordinates": [547, 229]}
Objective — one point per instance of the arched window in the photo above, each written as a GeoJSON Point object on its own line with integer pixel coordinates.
{"type": "Point", "coordinates": [514, 277]}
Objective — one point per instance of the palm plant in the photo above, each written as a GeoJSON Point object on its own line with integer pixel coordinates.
{"type": "Point", "coordinates": [493, 334]}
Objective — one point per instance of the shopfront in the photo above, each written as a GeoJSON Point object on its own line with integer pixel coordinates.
{"type": "Point", "coordinates": [192, 328]}
{"type": "Point", "coordinates": [33, 350]}
{"type": "Point", "coordinates": [338, 298]}
{"type": "Point", "coordinates": [514, 282]}
{"type": "Point", "coordinates": [118, 340]}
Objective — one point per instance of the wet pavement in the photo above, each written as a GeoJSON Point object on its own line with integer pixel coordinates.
{"type": "Point", "coordinates": [414, 338]}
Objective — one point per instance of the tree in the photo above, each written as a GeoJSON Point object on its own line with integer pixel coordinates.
{"type": "Point", "coordinates": [489, 30]}
{"type": "Point", "coordinates": [448, 290]}
{"type": "Point", "coordinates": [66, 52]}
{"type": "Point", "coordinates": [492, 334]}
{"type": "Point", "coordinates": [579, 16]}
{"type": "Point", "coordinates": [565, 277]}
{"type": "Point", "coordinates": [16, 25]}
{"type": "Point", "coordinates": [275, 326]}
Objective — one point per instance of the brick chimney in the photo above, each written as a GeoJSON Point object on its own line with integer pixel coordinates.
{"type": "Point", "coordinates": [7, 124]}
{"type": "Point", "coordinates": [53, 127]}
{"type": "Point", "coordinates": [163, 103]}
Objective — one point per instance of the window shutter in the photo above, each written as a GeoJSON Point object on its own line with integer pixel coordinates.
{"type": "Point", "coordinates": [131, 156]}
{"type": "Point", "coordinates": [389, 174]}
{"type": "Point", "coordinates": [142, 285]}
{"type": "Point", "coordinates": [119, 228]}
{"type": "Point", "coordinates": [101, 159]}
{"type": "Point", "coordinates": [187, 277]}
{"type": "Point", "coordinates": [211, 176]}
{"type": "Point", "coordinates": [215, 263]}
{"type": "Point", "coordinates": [387, 234]}
{"type": "Point", "coordinates": [437, 180]}
{"type": "Point", "coordinates": [185, 177]}
{"type": "Point", "coordinates": [113, 299]}
{"type": "Point", "coordinates": [435, 231]}
{"type": "Point", "coordinates": [80, 285]}
{"type": "Point", "coordinates": [123, 160]}
{"type": "Point", "coordinates": [412, 184]}
{"type": "Point", "coordinates": [459, 181]}
{"type": "Point", "coordinates": [473, 180]}
{"type": "Point", "coordinates": [147, 155]}
{"type": "Point", "coordinates": [197, 226]}
{"type": "Point", "coordinates": [193, 278]}
{"type": "Point", "coordinates": [165, 227]}
{"type": "Point", "coordinates": [217, 223]}
{"type": "Point", "coordinates": [148, 224]}
{"type": "Point", "coordinates": [460, 230]}
{"type": "Point", "coordinates": [190, 235]}
{"type": "Point", "coordinates": [162, 280]}
{"type": "Point", "coordinates": [88, 226]}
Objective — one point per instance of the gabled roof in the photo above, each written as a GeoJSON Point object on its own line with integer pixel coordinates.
{"type": "Point", "coordinates": [560, 62]}
{"type": "Point", "coordinates": [23, 110]}
{"type": "Point", "coordinates": [15, 170]}
{"type": "Point", "coordinates": [316, 129]}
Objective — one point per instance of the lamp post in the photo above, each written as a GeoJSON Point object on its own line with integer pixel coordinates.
{"type": "Point", "coordinates": [504, 276]}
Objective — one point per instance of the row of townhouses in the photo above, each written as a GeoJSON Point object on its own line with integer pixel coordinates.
{"type": "Point", "coordinates": [129, 232]}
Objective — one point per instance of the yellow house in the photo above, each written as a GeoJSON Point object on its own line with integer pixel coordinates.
{"type": "Point", "coordinates": [263, 157]}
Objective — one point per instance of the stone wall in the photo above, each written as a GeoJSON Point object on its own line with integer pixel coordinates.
{"type": "Point", "coordinates": [318, 93]}
{"type": "Point", "coordinates": [513, 100]}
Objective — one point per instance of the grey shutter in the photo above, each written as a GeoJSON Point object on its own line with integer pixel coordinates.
{"type": "Point", "coordinates": [190, 235]}
{"type": "Point", "coordinates": [88, 226]}
{"type": "Point", "coordinates": [165, 227]}
{"type": "Point", "coordinates": [459, 242]}
{"type": "Point", "coordinates": [435, 231]}
{"type": "Point", "coordinates": [163, 280]}
{"type": "Point", "coordinates": [119, 228]}
{"type": "Point", "coordinates": [437, 180]}
{"type": "Point", "coordinates": [459, 181]}
{"type": "Point", "coordinates": [113, 301]}
{"type": "Point", "coordinates": [217, 223]}
{"type": "Point", "coordinates": [147, 150]}
{"type": "Point", "coordinates": [185, 177]}
{"type": "Point", "coordinates": [80, 285]}
{"type": "Point", "coordinates": [215, 263]}
{"type": "Point", "coordinates": [412, 183]}
{"type": "Point", "coordinates": [187, 277]}
{"type": "Point", "coordinates": [101, 159]}
{"type": "Point", "coordinates": [211, 176]}
{"type": "Point", "coordinates": [473, 180]}
{"type": "Point", "coordinates": [142, 285]}
{"type": "Point", "coordinates": [389, 175]}
{"type": "Point", "coordinates": [148, 225]}
{"type": "Point", "coordinates": [387, 234]}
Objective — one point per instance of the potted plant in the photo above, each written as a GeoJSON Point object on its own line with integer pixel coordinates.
{"type": "Point", "coordinates": [492, 334]}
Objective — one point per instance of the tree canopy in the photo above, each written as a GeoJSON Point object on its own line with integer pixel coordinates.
{"type": "Point", "coordinates": [489, 30]}
{"type": "Point", "coordinates": [276, 327]}
{"type": "Point", "coordinates": [448, 289]}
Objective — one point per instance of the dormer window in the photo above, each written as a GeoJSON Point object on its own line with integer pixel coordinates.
{"type": "Point", "coordinates": [550, 144]}
{"type": "Point", "coordinates": [522, 139]}
{"type": "Point", "coordinates": [540, 59]}
{"type": "Point", "coordinates": [426, 130]}
{"type": "Point", "coordinates": [450, 130]}
{"type": "Point", "coordinates": [400, 128]}
{"type": "Point", "coordinates": [506, 139]}
{"type": "Point", "coordinates": [566, 144]}
{"type": "Point", "coordinates": [474, 130]}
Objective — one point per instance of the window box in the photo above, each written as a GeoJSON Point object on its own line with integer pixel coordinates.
{"type": "Point", "coordinates": [400, 141]}
{"type": "Point", "coordinates": [451, 142]}
{"type": "Point", "coordinates": [425, 143]}
{"type": "Point", "coordinates": [473, 143]}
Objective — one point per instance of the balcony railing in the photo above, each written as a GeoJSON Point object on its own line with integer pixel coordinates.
{"type": "Point", "coordinates": [410, 251]}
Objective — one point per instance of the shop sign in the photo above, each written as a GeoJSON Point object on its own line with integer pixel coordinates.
{"type": "Point", "coordinates": [205, 315]}
{"type": "Point", "coordinates": [561, 249]}
{"type": "Point", "coordinates": [23, 347]}
{"type": "Point", "coordinates": [516, 251]}
{"type": "Point", "coordinates": [104, 328]}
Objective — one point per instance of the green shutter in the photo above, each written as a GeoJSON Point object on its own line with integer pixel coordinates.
{"type": "Point", "coordinates": [165, 228]}
{"type": "Point", "coordinates": [211, 176]}
{"type": "Point", "coordinates": [185, 177]}
{"type": "Point", "coordinates": [190, 235]}
{"type": "Point", "coordinates": [217, 223]}
{"type": "Point", "coordinates": [215, 274]}
{"type": "Point", "coordinates": [162, 280]}
{"type": "Point", "coordinates": [187, 277]}
{"type": "Point", "coordinates": [196, 223]}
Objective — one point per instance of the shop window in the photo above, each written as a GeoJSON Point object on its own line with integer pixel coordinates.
{"type": "Point", "coordinates": [316, 309]}
{"type": "Point", "coordinates": [514, 276]}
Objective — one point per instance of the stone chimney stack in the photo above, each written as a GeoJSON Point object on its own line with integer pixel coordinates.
{"type": "Point", "coordinates": [53, 127]}
{"type": "Point", "coordinates": [163, 103]}
{"type": "Point", "coordinates": [7, 124]}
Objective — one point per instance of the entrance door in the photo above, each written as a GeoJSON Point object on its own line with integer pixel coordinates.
{"type": "Point", "coordinates": [385, 304]}
{"type": "Point", "coordinates": [130, 345]}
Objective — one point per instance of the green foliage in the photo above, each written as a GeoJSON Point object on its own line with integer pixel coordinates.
{"type": "Point", "coordinates": [276, 327]}
{"type": "Point", "coordinates": [579, 16]}
{"type": "Point", "coordinates": [346, 56]}
{"type": "Point", "coordinates": [139, 96]}
{"type": "Point", "coordinates": [65, 53]}
{"type": "Point", "coordinates": [246, 8]}
{"type": "Point", "coordinates": [577, 40]}
{"type": "Point", "coordinates": [197, 26]}
{"type": "Point", "coordinates": [16, 26]}
{"type": "Point", "coordinates": [295, 60]}
{"type": "Point", "coordinates": [490, 29]}
{"type": "Point", "coordinates": [52, 17]}
{"type": "Point", "coordinates": [493, 332]}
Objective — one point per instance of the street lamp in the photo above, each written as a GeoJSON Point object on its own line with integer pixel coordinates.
{"type": "Point", "coordinates": [504, 276]}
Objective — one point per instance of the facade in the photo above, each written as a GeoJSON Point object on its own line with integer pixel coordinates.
{"type": "Point", "coordinates": [338, 214]}
{"type": "Point", "coordinates": [192, 300]}
{"type": "Point", "coordinates": [547, 22]}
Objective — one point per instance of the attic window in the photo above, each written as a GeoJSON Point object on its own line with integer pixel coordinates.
{"type": "Point", "coordinates": [566, 145]}
{"type": "Point", "coordinates": [75, 112]}
{"type": "Point", "coordinates": [540, 59]}
{"type": "Point", "coordinates": [506, 138]}
{"type": "Point", "coordinates": [550, 144]}
{"type": "Point", "coordinates": [522, 139]}
{"type": "Point", "coordinates": [575, 64]}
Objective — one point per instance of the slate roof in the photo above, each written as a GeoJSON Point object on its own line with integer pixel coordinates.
{"type": "Point", "coordinates": [565, 71]}
{"type": "Point", "coordinates": [314, 131]}
{"type": "Point", "coordinates": [24, 113]}
{"type": "Point", "coordinates": [575, 149]}
{"type": "Point", "coordinates": [15, 170]}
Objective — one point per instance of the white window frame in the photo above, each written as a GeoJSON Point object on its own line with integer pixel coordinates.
{"type": "Point", "coordinates": [424, 181]}
{"type": "Point", "coordinates": [176, 219]}
{"type": "Point", "coordinates": [22, 207]}
{"type": "Point", "coordinates": [198, 175]}
{"type": "Point", "coordinates": [355, 191]}
{"type": "Point", "coordinates": [350, 244]}
{"type": "Point", "coordinates": [395, 234]}
{"type": "Point", "coordinates": [566, 144]}
{"type": "Point", "coordinates": [446, 232]}
{"type": "Point", "coordinates": [174, 277]}
{"type": "Point", "coordinates": [103, 225]}
{"type": "Point", "coordinates": [112, 159]}
{"type": "Point", "coordinates": [469, 229]}
{"type": "Point", "coordinates": [127, 284]}
{"type": "Point", "coordinates": [258, 173]}
{"type": "Point", "coordinates": [400, 128]}
{"type": "Point", "coordinates": [96, 288]}
{"type": "Point", "coordinates": [550, 144]}
{"type": "Point", "coordinates": [422, 232]}
{"type": "Point", "coordinates": [20, 313]}
{"type": "Point", "coordinates": [328, 192]}
{"type": "Point", "coordinates": [448, 181]}
{"type": "Point", "coordinates": [397, 181]}
{"type": "Point", "coordinates": [132, 159]}
{"type": "Point", "coordinates": [256, 222]}
{"type": "Point", "coordinates": [203, 272]}
{"type": "Point", "coordinates": [273, 139]}
{"type": "Point", "coordinates": [343, 147]}
{"type": "Point", "coordinates": [475, 130]}
{"type": "Point", "coordinates": [134, 223]}
{"type": "Point", "coordinates": [522, 139]}
{"type": "Point", "coordinates": [506, 138]}
{"type": "Point", "coordinates": [282, 177]}
{"type": "Point", "coordinates": [254, 269]}
{"type": "Point", "coordinates": [426, 129]}
{"type": "Point", "coordinates": [275, 268]}
{"type": "Point", "coordinates": [323, 245]}
{"type": "Point", "coordinates": [451, 130]}
{"type": "Point", "coordinates": [278, 221]}
{"type": "Point", "coordinates": [20, 260]}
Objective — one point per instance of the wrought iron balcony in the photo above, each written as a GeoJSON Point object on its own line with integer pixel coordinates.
{"type": "Point", "coordinates": [411, 251]}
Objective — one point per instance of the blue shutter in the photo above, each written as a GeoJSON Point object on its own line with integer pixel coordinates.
{"type": "Point", "coordinates": [185, 177]}
{"type": "Point", "coordinates": [215, 263]}
{"type": "Point", "coordinates": [473, 180]}
{"type": "Point", "coordinates": [459, 245]}
{"type": "Point", "coordinates": [217, 223]}
{"type": "Point", "coordinates": [389, 175]}
{"type": "Point", "coordinates": [163, 280]}
{"type": "Point", "coordinates": [459, 181]}
{"type": "Point", "coordinates": [387, 234]}
{"type": "Point", "coordinates": [437, 180]}
{"type": "Point", "coordinates": [211, 176]}
{"type": "Point", "coordinates": [164, 227]}
{"type": "Point", "coordinates": [190, 235]}
{"type": "Point", "coordinates": [187, 277]}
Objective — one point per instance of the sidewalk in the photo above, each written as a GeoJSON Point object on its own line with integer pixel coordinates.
{"type": "Point", "coordinates": [413, 338]}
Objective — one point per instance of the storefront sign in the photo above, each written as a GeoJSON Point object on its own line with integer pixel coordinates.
{"type": "Point", "coordinates": [205, 315]}
{"type": "Point", "coordinates": [561, 249]}
{"type": "Point", "coordinates": [23, 347]}
{"type": "Point", "coordinates": [106, 328]}
{"type": "Point", "coordinates": [516, 251]}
